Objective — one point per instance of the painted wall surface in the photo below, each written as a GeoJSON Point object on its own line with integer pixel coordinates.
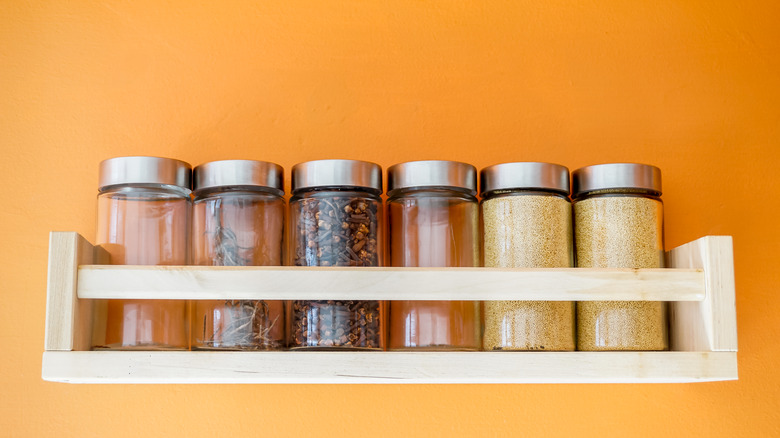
{"type": "Point", "coordinates": [691, 86]}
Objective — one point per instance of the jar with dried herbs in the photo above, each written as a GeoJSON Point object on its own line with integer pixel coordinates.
{"type": "Point", "coordinates": [238, 220]}
{"type": "Point", "coordinates": [433, 221]}
{"type": "Point", "coordinates": [618, 223]}
{"type": "Point", "coordinates": [143, 219]}
{"type": "Point", "coordinates": [335, 217]}
{"type": "Point", "coordinates": [526, 217]}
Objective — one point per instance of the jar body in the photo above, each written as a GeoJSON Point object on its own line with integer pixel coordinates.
{"type": "Point", "coordinates": [336, 227]}
{"type": "Point", "coordinates": [616, 229]}
{"type": "Point", "coordinates": [238, 228]}
{"type": "Point", "coordinates": [528, 229]}
{"type": "Point", "coordinates": [143, 226]}
{"type": "Point", "coordinates": [434, 228]}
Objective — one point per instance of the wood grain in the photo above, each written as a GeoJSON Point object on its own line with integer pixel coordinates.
{"type": "Point", "coordinates": [387, 367]}
{"type": "Point", "coordinates": [564, 284]}
{"type": "Point", "coordinates": [68, 319]}
{"type": "Point", "coordinates": [711, 324]}
{"type": "Point", "coordinates": [703, 320]}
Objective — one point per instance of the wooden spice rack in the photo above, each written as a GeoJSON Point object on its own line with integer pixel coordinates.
{"type": "Point", "coordinates": [700, 287]}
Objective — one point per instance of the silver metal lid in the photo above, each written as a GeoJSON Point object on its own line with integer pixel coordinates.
{"type": "Point", "coordinates": [337, 173]}
{"type": "Point", "coordinates": [527, 175]}
{"type": "Point", "coordinates": [433, 173]}
{"type": "Point", "coordinates": [616, 176]}
{"type": "Point", "coordinates": [238, 173]}
{"type": "Point", "coordinates": [144, 170]}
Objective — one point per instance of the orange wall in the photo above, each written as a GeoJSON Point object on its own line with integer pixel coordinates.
{"type": "Point", "coordinates": [691, 86]}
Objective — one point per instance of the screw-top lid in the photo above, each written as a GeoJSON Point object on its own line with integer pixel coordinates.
{"type": "Point", "coordinates": [144, 170]}
{"type": "Point", "coordinates": [433, 173]}
{"type": "Point", "coordinates": [616, 176]}
{"type": "Point", "coordinates": [238, 173]}
{"type": "Point", "coordinates": [337, 173]}
{"type": "Point", "coordinates": [528, 175]}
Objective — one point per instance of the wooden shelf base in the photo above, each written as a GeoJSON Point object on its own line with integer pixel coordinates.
{"type": "Point", "coordinates": [387, 367]}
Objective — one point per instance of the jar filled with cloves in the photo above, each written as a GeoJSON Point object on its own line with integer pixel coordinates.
{"type": "Point", "coordinates": [433, 221]}
{"type": "Point", "coordinates": [238, 220]}
{"type": "Point", "coordinates": [335, 220]}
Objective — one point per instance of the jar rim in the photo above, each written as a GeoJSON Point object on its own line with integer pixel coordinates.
{"type": "Point", "coordinates": [227, 190]}
{"type": "Point", "coordinates": [400, 191]}
{"type": "Point", "coordinates": [323, 189]}
{"type": "Point", "coordinates": [159, 188]}
{"type": "Point", "coordinates": [523, 191]}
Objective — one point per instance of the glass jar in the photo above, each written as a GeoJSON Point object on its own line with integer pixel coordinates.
{"type": "Point", "coordinates": [526, 220]}
{"type": "Point", "coordinates": [433, 221]}
{"type": "Point", "coordinates": [238, 220]}
{"type": "Point", "coordinates": [336, 218]}
{"type": "Point", "coordinates": [143, 219]}
{"type": "Point", "coordinates": [618, 223]}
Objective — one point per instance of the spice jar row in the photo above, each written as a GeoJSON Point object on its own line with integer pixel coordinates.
{"type": "Point", "coordinates": [157, 211]}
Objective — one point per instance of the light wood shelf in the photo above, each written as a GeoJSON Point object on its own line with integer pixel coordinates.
{"type": "Point", "coordinates": [699, 286]}
{"type": "Point", "coordinates": [387, 367]}
{"type": "Point", "coordinates": [478, 284]}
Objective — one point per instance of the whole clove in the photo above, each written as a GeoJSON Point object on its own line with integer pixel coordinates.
{"type": "Point", "coordinates": [335, 231]}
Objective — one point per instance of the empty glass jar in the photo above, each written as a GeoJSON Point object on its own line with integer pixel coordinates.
{"type": "Point", "coordinates": [238, 220]}
{"type": "Point", "coordinates": [618, 220]}
{"type": "Point", "coordinates": [336, 220]}
{"type": "Point", "coordinates": [433, 220]}
{"type": "Point", "coordinates": [526, 216]}
{"type": "Point", "coordinates": [143, 219]}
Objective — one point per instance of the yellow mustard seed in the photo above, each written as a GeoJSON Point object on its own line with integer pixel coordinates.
{"type": "Point", "coordinates": [528, 231]}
